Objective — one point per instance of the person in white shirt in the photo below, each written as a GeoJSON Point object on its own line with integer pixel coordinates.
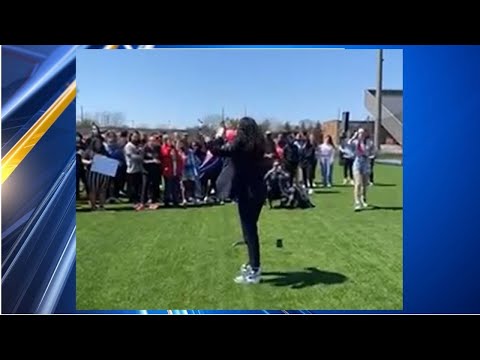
{"type": "Point", "coordinates": [363, 150]}
{"type": "Point", "coordinates": [326, 156]}
{"type": "Point", "coordinates": [346, 159]}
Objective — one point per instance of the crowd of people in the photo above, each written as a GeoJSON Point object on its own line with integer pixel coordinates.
{"type": "Point", "coordinates": [179, 169]}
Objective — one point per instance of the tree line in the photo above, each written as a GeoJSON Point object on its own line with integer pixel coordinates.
{"type": "Point", "coordinates": [207, 125]}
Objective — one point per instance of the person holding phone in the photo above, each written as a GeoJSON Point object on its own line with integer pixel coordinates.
{"type": "Point", "coordinates": [247, 153]}
{"type": "Point", "coordinates": [363, 150]}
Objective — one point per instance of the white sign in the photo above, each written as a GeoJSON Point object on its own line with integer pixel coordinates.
{"type": "Point", "coordinates": [104, 165]}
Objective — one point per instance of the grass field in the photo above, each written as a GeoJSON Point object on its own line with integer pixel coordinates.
{"type": "Point", "coordinates": [332, 258]}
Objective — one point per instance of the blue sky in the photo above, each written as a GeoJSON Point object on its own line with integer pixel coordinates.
{"type": "Point", "coordinates": [178, 86]}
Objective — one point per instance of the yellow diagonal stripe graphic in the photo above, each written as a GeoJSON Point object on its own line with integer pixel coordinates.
{"type": "Point", "coordinates": [20, 150]}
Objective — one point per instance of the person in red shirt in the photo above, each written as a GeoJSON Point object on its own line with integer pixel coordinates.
{"type": "Point", "coordinates": [172, 171]}
{"type": "Point", "coordinates": [279, 143]}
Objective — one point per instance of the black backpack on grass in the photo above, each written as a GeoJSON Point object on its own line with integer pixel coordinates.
{"type": "Point", "coordinates": [298, 198]}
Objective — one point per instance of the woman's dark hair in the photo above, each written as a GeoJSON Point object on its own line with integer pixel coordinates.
{"type": "Point", "coordinates": [97, 147]}
{"type": "Point", "coordinates": [330, 140]}
{"type": "Point", "coordinates": [124, 133]}
{"type": "Point", "coordinates": [94, 125]}
{"type": "Point", "coordinates": [134, 132]}
{"type": "Point", "coordinates": [249, 137]}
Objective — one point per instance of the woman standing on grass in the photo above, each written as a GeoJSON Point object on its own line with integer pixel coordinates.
{"type": "Point", "coordinates": [363, 150]}
{"type": "Point", "coordinates": [326, 157]}
{"type": "Point", "coordinates": [97, 183]}
{"type": "Point", "coordinates": [247, 153]}
{"type": "Point", "coordinates": [313, 160]}
{"type": "Point", "coordinates": [81, 171]}
{"type": "Point", "coordinates": [307, 158]}
{"type": "Point", "coordinates": [371, 158]}
{"type": "Point", "coordinates": [346, 159]}
{"type": "Point", "coordinates": [134, 158]}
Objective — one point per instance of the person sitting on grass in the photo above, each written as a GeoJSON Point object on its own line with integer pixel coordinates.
{"type": "Point", "coordinates": [277, 180]}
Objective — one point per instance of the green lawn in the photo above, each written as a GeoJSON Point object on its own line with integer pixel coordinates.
{"type": "Point", "coordinates": [332, 258]}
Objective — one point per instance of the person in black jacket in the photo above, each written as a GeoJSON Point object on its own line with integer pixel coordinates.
{"type": "Point", "coordinates": [81, 172]}
{"type": "Point", "coordinates": [306, 159]}
{"type": "Point", "coordinates": [291, 158]}
{"type": "Point", "coordinates": [247, 153]}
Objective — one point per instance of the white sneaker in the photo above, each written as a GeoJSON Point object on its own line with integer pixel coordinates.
{"type": "Point", "coordinates": [249, 276]}
{"type": "Point", "coordinates": [246, 268]}
{"type": "Point", "coordinates": [351, 182]}
{"type": "Point", "coordinates": [358, 207]}
{"type": "Point", "coordinates": [329, 185]}
{"type": "Point", "coordinates": [310, 191]}
{"type": "Point", "coordinates": [364, 204]}
{"type": "Point", "coordinates": [345, 181]}
{"type": "Point", "coordinates": [370, 184]}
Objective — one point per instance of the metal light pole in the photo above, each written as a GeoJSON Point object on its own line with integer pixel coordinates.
{"type": "Point", "coordinates": [378, 118]}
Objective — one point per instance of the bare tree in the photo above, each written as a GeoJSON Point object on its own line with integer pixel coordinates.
{"type": "Point", "coordinates": [212, 121]}
{"type": "Point", "coordinates": [117, 119]}
{"type": "Point", "coordinates": [143, 126]}
{"type": "Point", "coordinates": [84, 124]}
{"type": "Point", "coordinates": [265, 125]}
{"type": "Point", "coordinates": [287, 127]}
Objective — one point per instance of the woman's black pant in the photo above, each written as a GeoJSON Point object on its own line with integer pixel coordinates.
{"type": "Point", "coordinates": [291, 169]}
{"type": "Point", "coordinates": [249, 211]}
{"type": "Point", "coordinates": [120, 180]}
{"type": "Point", "coordinates": [81, 175]}
{"type": "Point", "coordinates": [313, 168]}
{"type": "Point", "coordinates": [172, 190]}
{"type": "Point", "coordinates": [306, 176]}
{"type": "Point", "coordinates": [135, 182]}
{"type": "Point", "coordinates": [372, 163]}
{"type": "Point", "coordinates": [151, 185]}
{"type": "Point", "coordinates": [348, 169]}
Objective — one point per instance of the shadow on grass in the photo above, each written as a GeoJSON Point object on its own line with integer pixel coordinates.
{"type": "Point", "coordinates": [129, 207]}
{"type": "Point", "coordinates": [301, 279]}
{"type": "Point", "coordinates": [327, 192]}
{"type": "Point", "coordinates": [392, 208]}
{"type": "Point", "coordinates": [384, 185]}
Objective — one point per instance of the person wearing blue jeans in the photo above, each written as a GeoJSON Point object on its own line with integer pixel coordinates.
{"type": "Point", "coordinates": [364, 150]}
{"type": "Point", "coordinates": [326, 156]}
